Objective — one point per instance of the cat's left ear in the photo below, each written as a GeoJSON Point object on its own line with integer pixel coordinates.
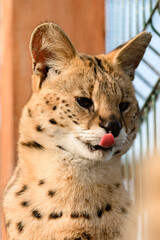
{"type": "Point", "coordinates": [128, 56]}
{"type": "Point", "coordinates": [50, 47]}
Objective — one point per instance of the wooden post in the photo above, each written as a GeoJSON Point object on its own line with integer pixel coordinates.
{"type": "Point", "coordinates": [82, 20]}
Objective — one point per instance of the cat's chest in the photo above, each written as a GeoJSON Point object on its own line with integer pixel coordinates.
{"type": "Point", "coordinates": [67, 208]}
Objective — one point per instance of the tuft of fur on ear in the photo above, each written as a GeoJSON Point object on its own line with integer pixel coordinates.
{"type": "Point", "coordinates": [50, 47]}
{"type": "Point", "coordinates": [128, 56]}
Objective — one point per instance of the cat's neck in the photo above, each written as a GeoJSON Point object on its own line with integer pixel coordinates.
{"type": "Point", "coordinates": [46, 164]}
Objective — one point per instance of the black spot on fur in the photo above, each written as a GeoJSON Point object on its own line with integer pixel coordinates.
{"type": "Point", "coordinates": [41, 182]}
{"type": "Point", "coordinates": [47, 102]}
{"type": "Point", "coordinates": [25, 204]}
{"type": "Point", "coordinates": [99, 212]}
{"type": "Point", "coordinates": [55, 215]}
{"type": "Point", "coordinates": [32, 144]}
{"type": "Point", "coordinates": [124, 210]}
{"type": "Point", "coordinates": [29, 112]}
{"type": "Point", "coordinates": [75, 122]}
{"type": "Point", "coordinates": [63, 101]}
{"type": "Point", "coordinates": [79, 238]}
{"type": "Point", "coordinates": [86, 235]}
{"type": "Point", "coordinates": [57, 98]}
{"type": "Point", "coordinates": [108, 207]}
{"type": "Point", "coordinates": [20, 226]}
{"type": "Point", "coordinates": [57, 71]}
{"type": "Point", "coordinates": [36, 214]}
{"type": "Point", "coordinates": [52, 121]}
{"type": "Point", "coordinates": [75, 215]}
{"type": "Point", "coordinates": [117, 185]}
{"type": "Point", "coordinates": [67, 105]}
{"type": "Point", "coordinates": [54, 108]}
{"type": "Point", "coordinates": [24, 188]}
{"type": "Point", "coordinates": [85, 215]}
{"type": "Point", "coordinates": [8, 224]}
{"type": "Point", "coordinates": [39, 128]}
{"type": "Point", "coordinates": [69, 116]}
{"type": "Point", "coordinates": [68, 110]}
{"type": "Point", "coordinates": [61, 147]}
{"type": "Point", "coordinates": [51, 193]}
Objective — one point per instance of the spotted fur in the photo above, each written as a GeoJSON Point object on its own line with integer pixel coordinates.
{"type": "Point", "coordinates": [64, 190]}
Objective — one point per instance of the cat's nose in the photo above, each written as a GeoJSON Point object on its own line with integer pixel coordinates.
{"type": "Point", "coordinates": [113, 126]}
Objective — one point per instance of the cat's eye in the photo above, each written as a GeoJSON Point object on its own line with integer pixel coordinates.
{"type": "Point", "coordinates": [123, 106]}
{"type": "Point", "coordinates": [84, 102]}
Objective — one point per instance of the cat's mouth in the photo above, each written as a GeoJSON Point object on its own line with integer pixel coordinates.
{"type": "Point", "coordinates": [93, 148]}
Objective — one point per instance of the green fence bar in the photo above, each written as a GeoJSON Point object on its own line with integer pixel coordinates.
{"type": "Point", "coordinates": [143, 79]}
{"type": "Point", "coordinates": [154, 50]}
{"type": "Point", "coordinates": [147, 130]}
{"type": "Point", "coordinates": [154, 122]}
{"type": "Point", "coordinates": [144, 17]}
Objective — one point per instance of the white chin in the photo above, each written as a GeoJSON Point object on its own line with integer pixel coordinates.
{"type": "Point", "coordinates": [81, 150]}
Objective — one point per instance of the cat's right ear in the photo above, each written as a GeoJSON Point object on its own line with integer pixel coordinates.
{"type": "Point", "coordinates": [50, 47]}
{"type": "Point", "coordinates": [128, 56]}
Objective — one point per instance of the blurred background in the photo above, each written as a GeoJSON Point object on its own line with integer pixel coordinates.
{"type": "Point", "coordinates": [94, 26]}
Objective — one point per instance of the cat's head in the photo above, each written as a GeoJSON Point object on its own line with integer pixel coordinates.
{"type": "Point", "coordinates": [78, 98]}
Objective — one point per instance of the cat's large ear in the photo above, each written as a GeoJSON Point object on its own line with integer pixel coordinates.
{"type": "Point", "coordinates": [50, 47]}
{"type": "Point", "coordinates": [128, 56]}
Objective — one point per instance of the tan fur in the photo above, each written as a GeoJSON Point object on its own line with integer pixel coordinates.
{"type": "Point", "coordinates": [56, 172]}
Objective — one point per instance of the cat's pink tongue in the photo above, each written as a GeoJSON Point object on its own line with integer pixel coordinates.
{"type": "Point", "coordinates": [107, 140]}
